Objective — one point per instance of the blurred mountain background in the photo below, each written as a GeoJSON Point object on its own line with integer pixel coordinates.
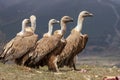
{"type": "Point", "coordinates": [103, 29]}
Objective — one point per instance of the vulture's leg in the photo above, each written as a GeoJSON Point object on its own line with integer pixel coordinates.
{"type": "Point", "coordinates": [74, 62]}
{"type": "Point", "coordinates": [84, 40]}
{"type": "Point", "coordinates": [52, 64]}
{"type": "Point", "coordinates": [24, 59]}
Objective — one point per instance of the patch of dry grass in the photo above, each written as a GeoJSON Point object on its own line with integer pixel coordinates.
{"type": "Point", "coordinates": [14, 72]}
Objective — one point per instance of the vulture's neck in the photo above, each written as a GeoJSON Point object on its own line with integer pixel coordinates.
{"type": "Point", "coordinates": [79, 24]}
{"type": "Point", "coordinates": [33, 25]}
{"type": "Point", "coordinates": [50, 28]}
{"type": "Point", "coordinates": [63, 28]}
{"type": "Point", "coordinates": [23, 27]}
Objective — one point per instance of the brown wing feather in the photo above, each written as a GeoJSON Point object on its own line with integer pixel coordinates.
{"type": "Point", "coordinates": [20, 45]}
{"type": "Point", "coordinates": [7, 48]}
{"type": "Point", "coordinates": [52, 56]}
{"type": "Point", "coordinates": [72, 48]}
{"type": "Point", "coordinates": [26, 43]}
{"type": "Point", "coordinates": [44, 47]}
{"type": "Point", "coordinates": [70, 61]}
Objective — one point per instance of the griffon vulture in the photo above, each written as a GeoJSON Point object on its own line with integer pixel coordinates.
{"type": "Point", "coordinates": [76, 42]}
{"type": "Point", "coordinates": [51, 59]}
{"type": "Point", "coordinates": [18, 46]}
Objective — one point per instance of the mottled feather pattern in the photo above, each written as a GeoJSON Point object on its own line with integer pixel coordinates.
{"type": "Point", "coordinates": [18, 46]}
{"type": "Point", "coordinates": [72, 48]}
{"type": "Point", "coordinates": [43, 47]}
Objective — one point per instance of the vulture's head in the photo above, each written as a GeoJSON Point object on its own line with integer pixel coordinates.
{"type": "Point", "coordinates": [66, 19]}
{"type": "Point", "coordinates": [53, 21]}
{"type": "Point", "coordinates": [25, 21]}
{"type": "Point", "coordinates": [86, 14]}
{"type": "Point", "coordinates": [32, 18]}
{"type": "Point", "coordinates": [33, 24]}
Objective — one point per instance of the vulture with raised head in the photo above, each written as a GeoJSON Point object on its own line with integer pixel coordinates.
{"type": "Point", "coordinates": [76, 42]}
{"type": "Point", "coordinates": [51, 58]}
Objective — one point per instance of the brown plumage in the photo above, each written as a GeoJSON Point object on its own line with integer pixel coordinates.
{"type": "Point", "coordinates": [74, 45]}
{"type": "Point", "coordinates": [19, 45]}
{"type": "Point", "coordinates": [43, 46]}
{"type": "Point", "coordinates": [27, 59]}
{"type": "Point", "coordinates": [76, 42]}
{"type": "Point", "coordinates": [48, 44]}
{"type": "Point", "coordinates": [51, 59]}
